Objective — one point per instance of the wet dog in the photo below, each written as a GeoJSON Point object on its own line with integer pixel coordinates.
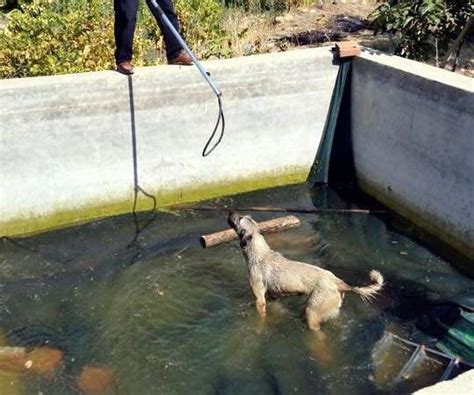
{"type": "Point", "coordinates": [269, 271]}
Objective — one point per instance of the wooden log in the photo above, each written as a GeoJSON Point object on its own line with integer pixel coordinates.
{"type": "Point", "coordinates": [271, 226]}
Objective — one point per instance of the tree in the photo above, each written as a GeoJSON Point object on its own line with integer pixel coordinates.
{"type": "Point", "coordinates": [455, 48]}
{"type": "Point", "coordinates": [423, 27]}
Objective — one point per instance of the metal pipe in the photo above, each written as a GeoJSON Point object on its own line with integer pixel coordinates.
{"type": "Point", "coordinates": [300, 210]}
{"type": "Point", "coordinates": [449, 370]}
{"type": "Point", "coordinates": [429, 350]}
{"type": "Point", "coordinates": [404, 373]}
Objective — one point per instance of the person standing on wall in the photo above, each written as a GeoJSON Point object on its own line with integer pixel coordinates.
{"type": "Point", "coordinates": [125, 21]}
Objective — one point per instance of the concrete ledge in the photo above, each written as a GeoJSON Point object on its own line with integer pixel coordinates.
{"type": "Point", "coordinates": [66, 141]}
{"type": "Point", "coordinates": [460, 385]}
{"type": "Point", "coordinates": [413, 141]}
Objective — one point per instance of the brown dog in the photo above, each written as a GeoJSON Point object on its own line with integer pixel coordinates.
{"type": "Point", "coordinates": [269, 271]}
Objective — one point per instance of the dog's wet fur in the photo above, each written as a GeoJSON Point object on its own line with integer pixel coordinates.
{"type": "Point", "coordinates": [272, 273]}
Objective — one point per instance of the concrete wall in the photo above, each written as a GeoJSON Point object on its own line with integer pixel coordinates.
{"type": "Point", "coordinates": [462, 384]}
{"type": "Point", "coordinates": [66, 141]}
{"type": "Point", "coordinates": [413, 137]}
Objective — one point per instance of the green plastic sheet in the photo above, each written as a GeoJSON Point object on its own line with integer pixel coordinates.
{"type": "Point", "coordinates": [334, 159]}
{"type": "Point", "coordinates": [459, 339]}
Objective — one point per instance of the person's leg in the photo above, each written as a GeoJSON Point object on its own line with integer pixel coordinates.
{"type": "Point", "coordinates": [173, 47]}
{"type": "Point", "coordinates": [125, 21]}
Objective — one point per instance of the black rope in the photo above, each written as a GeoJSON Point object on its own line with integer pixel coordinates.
{"type": "Point", "coordinates": [220, 122]}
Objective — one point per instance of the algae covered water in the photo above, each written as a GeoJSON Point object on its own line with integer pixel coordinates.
{"type": "Point", "coordinates": [146, 303]}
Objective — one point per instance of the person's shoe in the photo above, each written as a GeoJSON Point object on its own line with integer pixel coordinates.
{"type": "Point", "coordinates": [183, 59]}
{"type": "Point", "coordinates": [125, 68]}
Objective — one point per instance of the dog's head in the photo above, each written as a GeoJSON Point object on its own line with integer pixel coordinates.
{"type": "Point", "coordinates": [245, 227]}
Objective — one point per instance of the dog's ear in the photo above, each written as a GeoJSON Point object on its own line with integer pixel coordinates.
{"type": "Point", "coordinates": [245, 240]}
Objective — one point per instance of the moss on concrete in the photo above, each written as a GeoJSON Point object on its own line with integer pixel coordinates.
{"type": "Point", "coordinates": [62, 217]}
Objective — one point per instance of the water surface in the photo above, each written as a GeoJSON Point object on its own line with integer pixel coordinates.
{"type": "Point", "coordinates": [169, 317]}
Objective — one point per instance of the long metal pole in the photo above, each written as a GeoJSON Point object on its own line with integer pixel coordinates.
{"type": "Point", "coordinates": [198, 64]}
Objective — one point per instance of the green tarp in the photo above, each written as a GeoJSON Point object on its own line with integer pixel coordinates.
{"type": "Point", "coordinates": [459, 339]}
{"type": "Point", "coordinates": [334, 160]}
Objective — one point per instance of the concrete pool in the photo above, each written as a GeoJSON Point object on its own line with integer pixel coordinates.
{"type": "Point", "coordinates": [141, 300]}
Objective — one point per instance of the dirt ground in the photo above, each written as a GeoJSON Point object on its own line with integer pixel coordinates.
{"type": "Point", "coordinates": [313, 18]}
{"type": "Point", "coordinates": [321, 26]}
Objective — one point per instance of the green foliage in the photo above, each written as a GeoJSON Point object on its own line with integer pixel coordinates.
{"type": "Point", "coordinates": [201, 26]}
{"type": "Point", "coordinates": [273, 6]}
{"type": "Point", "coordinates": [40, 41]}
{"type": "Point", "coordinates": [66, 36]}
{"type": "Point", "coordinates": [265, 5]}
{"type": "Point", "coordinates": [418, 24]}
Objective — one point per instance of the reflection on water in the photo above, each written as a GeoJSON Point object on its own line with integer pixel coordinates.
{"type": "Point", "coordinates": [164, 315]}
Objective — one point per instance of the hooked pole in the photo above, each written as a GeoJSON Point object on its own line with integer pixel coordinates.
{"type": "Point", "coordinates": [206, 75]}
{"type": "Point", "coordinates": [202, 70]}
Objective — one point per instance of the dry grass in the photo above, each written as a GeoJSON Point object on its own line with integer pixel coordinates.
{"type": "Point", "coordinates": [248, 33]}
{"type": "Point", "coordinates": [272, 5]}
{"type": "Point", "coordinates": [251, 33]}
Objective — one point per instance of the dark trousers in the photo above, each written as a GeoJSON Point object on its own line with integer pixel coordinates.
{"type": "Point", "coordinates": [125, 21]}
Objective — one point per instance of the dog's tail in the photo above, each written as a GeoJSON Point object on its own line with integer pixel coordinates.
{"type": "Point", "coordinates": [368, 292]}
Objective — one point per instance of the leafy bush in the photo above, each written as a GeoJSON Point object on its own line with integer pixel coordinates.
{"type": "Point", "coordinates": [40, 41]}
{"type": "Point", "coordinates": [65, 36]}
{"type": "Point", "coordinates": [201, 25]}
{"type": "Point", "coordinates": [419, 25]}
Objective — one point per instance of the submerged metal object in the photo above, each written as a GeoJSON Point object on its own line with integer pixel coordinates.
{"type": "Point", "coordinates": [402, 364]}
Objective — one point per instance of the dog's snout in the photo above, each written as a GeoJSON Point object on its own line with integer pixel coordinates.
{"type": "Point", "coordinates": [233, 219]}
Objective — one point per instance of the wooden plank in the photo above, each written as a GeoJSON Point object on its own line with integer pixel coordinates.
{"type": "Point", "coordinates": [347, 49]}
{"type": "Point", "coordinates": [346, 44]}
{"type": "Point", "coordinates": [347, 53]}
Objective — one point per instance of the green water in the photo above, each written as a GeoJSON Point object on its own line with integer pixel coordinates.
{"type": "Point", "coordinates": [169, 317]}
